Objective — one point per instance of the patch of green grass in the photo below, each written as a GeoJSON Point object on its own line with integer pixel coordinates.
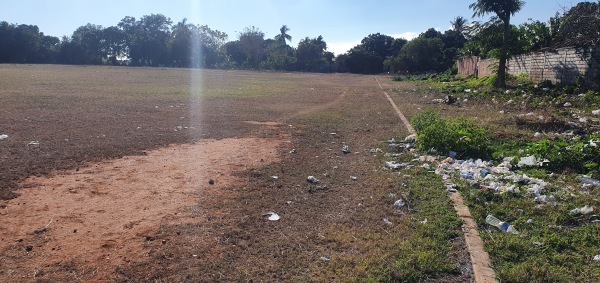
{"type": "Point", "coordinates": [460, 134]}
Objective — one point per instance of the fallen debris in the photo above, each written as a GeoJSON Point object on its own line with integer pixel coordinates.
{"type": "Point", "coordinates": [3, 137]}
{"type": "Point", "coordinates": [312, 180]}
{"type": "Point", "coordinates": [272, 216]}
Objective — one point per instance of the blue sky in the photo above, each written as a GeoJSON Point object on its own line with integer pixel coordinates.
{"type": "Point", "coordinates": [341, 23]}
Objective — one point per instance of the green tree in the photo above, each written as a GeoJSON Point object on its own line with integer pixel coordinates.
{"type": "Point", "coordinates": [486, 40]}
{"type": "Point", "coordinates": [251, 42]}
{"type": "Point", "coordinates": [422, 54]}
{"type": "Point", "coordinates": [459, 24]}
{"type": "Point", "coordinates": [310, 53]}
{"type": "Point", "coordinates": [580, 25]}
{"type": "Point", "coordinates": [503, 9]}
{"type": "Point", "coordinates": [283, 35]}
{"type": "Point", "coordinates": [534, 35]}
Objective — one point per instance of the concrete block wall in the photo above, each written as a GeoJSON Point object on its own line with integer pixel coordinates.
{"type": "Point", "coordinates": [563, 65]}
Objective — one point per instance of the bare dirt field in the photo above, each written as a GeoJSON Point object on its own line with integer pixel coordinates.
{"type": "Point", "coordinates": [168, 175]}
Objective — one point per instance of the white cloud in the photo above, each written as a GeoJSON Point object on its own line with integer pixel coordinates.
{"type": "Point", "coordinates": [341, 47]}
{"type": "Point", "coordinates": [406, 35]}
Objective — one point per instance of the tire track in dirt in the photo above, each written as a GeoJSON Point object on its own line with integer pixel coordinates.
{"type": "Point", "coordinates": [480, 259]}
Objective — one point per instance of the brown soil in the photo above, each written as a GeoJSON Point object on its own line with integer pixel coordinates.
{"type": "Point", "coordinates": [118, 187]}
{"type": "Point", "coordinates": [101, 217]}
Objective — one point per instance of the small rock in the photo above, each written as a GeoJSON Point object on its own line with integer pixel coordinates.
{"type": "Point", "coordinates": [28, 248]}
{"type": "Point", "coordinates": [211, 182]}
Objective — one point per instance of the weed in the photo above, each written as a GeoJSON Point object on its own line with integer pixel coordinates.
{"type": "Point", "coordinates": [458, 134]}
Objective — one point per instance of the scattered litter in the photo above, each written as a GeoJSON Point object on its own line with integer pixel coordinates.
{"type": "Point", "coordinates": [596, 112]}
{"type": "Point", "coordinates": [386, 221]}
{"type": "Point", "coordinates": [537, 134]}
{"type": "Point", "coordinates": [531, 160]}
{"type": "Point", "coordinates": [590, 181]}
{"type": "Point", "coordinates": [424, 221]}
{"type": "Point", "coordinates": [275, 177]}
{"type": "Point", "coordinates": [597, 258]}
{"type": "Point", "coordinates": [568, 104]}
{"type": "Point", "coordinates": [293, 151]}
{"type": "Point", "coordinates": [312, 179]}
{"type": "Point", "coordinates": [529, 221]}
{"type": "Point", "coordinates": [345, 149]}
{"type": "Point", "coordinates": [582, 210]}
{"type": "Point", "coordinates": [537, 244]}
{"type": "Point", "coordinates": [394, 165]}
{"type": "Point", "coordinates": [410, 138]}
{"type": "Point", "coordinates": [353, 178]}
{"type": "Point", "coordinates": [34, 143]}
{"type": "Point", "coordinates": [503, 226]}
{"type": "Point", "coordinates": [325, 259]}
{"type": "Point", "coordinates": [3, 137]}
{"type": "Point", "coordinates": [272, 216]}
{"type": "Point", "coordinates": [399, 203]}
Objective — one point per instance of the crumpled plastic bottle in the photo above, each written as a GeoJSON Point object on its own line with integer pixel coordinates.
{"type": "Point", "coordinates": [503, 226]}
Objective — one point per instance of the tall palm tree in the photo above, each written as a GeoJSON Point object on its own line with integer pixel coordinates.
{"type": "Point", "coordinates": [503, 9]}
{"type": "Point", "coordinates": [283, 35]}
{"type": "Point", "coordinates": [459, 24]}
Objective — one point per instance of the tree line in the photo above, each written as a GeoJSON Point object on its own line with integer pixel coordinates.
{"type": "Point", "coordinates": [154, 40]}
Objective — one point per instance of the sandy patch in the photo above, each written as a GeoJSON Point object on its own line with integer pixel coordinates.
{"type": "Point", "coordinates": [102, 216]}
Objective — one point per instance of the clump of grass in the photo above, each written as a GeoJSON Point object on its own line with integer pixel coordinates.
{"type": "Point", "coordinates": [461, 135]}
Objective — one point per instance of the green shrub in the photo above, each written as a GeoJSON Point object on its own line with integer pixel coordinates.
{"type": "Point", "coordinates": [461, 135]}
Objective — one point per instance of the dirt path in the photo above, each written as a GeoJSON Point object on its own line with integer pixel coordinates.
{"type": "Point", "coordinates": [101, 216]}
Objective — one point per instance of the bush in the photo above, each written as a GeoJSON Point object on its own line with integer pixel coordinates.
{"type": "Point", "coordinates": [461, 135]}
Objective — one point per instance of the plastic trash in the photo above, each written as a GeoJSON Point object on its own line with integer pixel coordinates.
{"type": "Point", "coordinates": [582, 210]}
{"type": "Point", "coordinates": [3, 137]}
{"type": "Point", "coordinates": [386, 221]}
{"type": "Point", "coordinates": [527, 161]}
{"type": "Point", "coordinates": [596, 112]}
{"type": "Point", "coordinates": [353, 178]}
{"type": "Point", "coordinates": [484, 172]}
{"type": "Point", "coordinates": [467, 175]}
{"type": "Point", "coordinates": [529, 221]}
{"type": "Point", "coordinates": [399, 203]}
{"type": "Point", "coordinates": [312, 179]}
{"type": "Point", "coordinates": [597, 258]}
{"type": "Point", "coordinates": [325, 259]}
{"type": "Point", "coordinates": [590, 181]}
{"type": "Point", "coordinates": [34, 143]}
{"type": "Point", "coordinates": [345, 149]}
{"type": "Point", "coordinates": [503, 226]}
{"type": "Point", "coordinates": [410, 138]}
{"type": "Point", "coordinates": [394, 165]}
{"type": "Point", "coordinates": [272, 216]}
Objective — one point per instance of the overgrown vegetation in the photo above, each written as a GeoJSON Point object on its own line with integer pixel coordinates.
{"type": "Point", "coordinates": [461, 135]}
{"type": "Point", "coordinates": [555, 242]}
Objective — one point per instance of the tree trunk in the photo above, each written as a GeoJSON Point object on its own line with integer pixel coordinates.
{"type": "Point", "coordinates": [501, 80]}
